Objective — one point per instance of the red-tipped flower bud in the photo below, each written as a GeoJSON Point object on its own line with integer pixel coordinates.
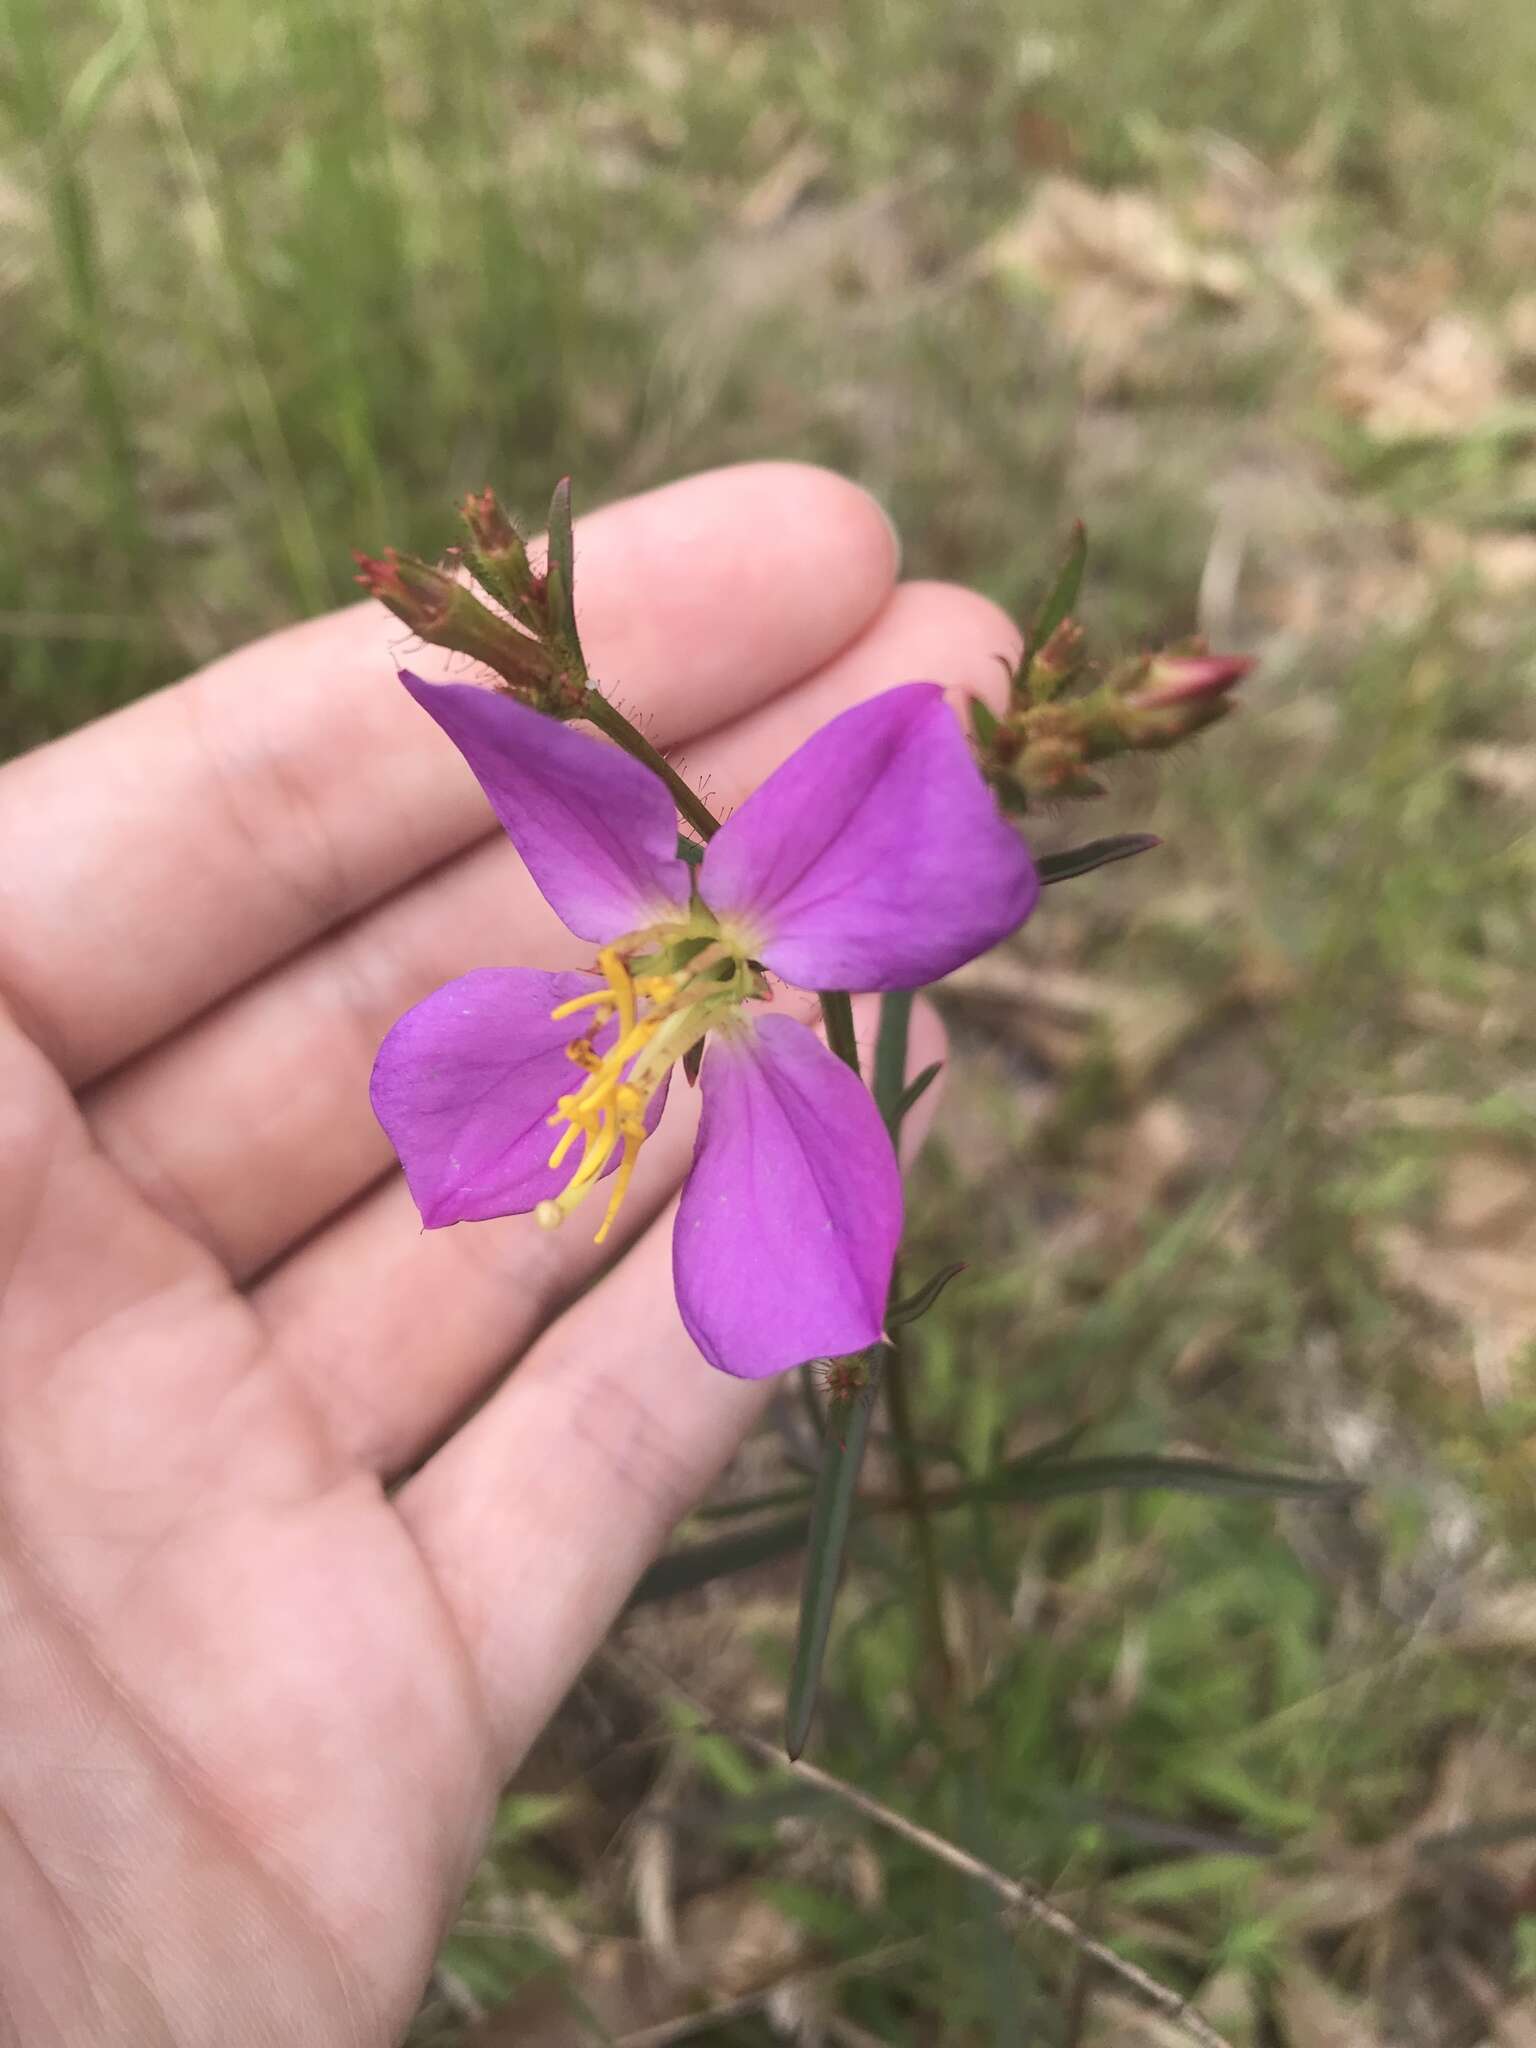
{"type": "Point", "coordinates": [437, 606]}
{"type": "Point", "coordinates": [1185, 678]}
{"type": "Point", "coordinates": [500, 559]}
{"type": "Point", "coordinates": [1058, 660]}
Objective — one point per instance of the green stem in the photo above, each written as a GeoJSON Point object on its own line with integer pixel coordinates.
{"type": "Point", "coordinates": [837, 1013]}
{"type": "Point", "coordinates": [890, 1085]}
{"type": "Point", "coordinates": [612, 721]}
{"type": "Point", "coordinates": [916, 1509]}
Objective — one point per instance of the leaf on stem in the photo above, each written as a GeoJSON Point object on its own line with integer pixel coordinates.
{"type": "Point", "coordinates": [1030, 1479]}
{"type": "Point", "coordinates": [699, 1564]}
{"type": "Point", "coordinates": [1058, 601]}
{"type": "Point", "coordinates": [918, 1303]}
{"type": "Point", "coordinates": [916, 1089]}
{"type": "Point", "coordinates": [561, 567]}
{"type": "Point", "coordinates": [1094, 853]}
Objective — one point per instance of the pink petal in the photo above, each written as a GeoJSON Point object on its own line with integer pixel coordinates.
{"type": "Point", "coordinates": [464, 1085]}
{"type": "Point", "coordinates": [789, 1222]}
{"type": "Point", "coordinates": [597, 831]}
{"type": "Point", "coordinates": [875, 858]}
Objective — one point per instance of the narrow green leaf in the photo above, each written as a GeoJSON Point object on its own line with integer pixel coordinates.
{"type": "Point", "coordinates": [1062, 595]}
{"type": "Point", "coordinates": [916, 1089]}
{"type": "Point", "coordinates": [561, 567]}
{"type": "Point", "coordinates": [1033, 1480]}
{"type": "Point", "coordinates": [698, 1564]}
{"type": "Point", "coordinates": [1034, 1477]}
{"type": "Point", "coordinates": [689, 850]}
{"type": "Point", "coordinates": [842, 1453]}
{"type": "Point", "coordinates": [922, 1299]}
{"type": "Point", "coordinates": [1094, 853]}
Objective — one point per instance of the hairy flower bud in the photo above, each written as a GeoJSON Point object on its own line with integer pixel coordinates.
{"type": "Point", "coordinates": [1190, 678]}
{"type": "Point", "coordinates": [440, 609]}
{"type": "Point", "coordinates": [1178, 693]}
{"type": "Point", "coordinates": [500, 560]}
{"type": "Point", "coordinates": [1055, 765]}
{"type": "Point", "coordinates": [1058, 661]}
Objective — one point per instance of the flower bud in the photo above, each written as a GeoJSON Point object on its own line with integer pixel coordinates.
{"type": "Point", "coordinates": [500, 559]}
{"type": "Point", "coordinates": [1059, 660]}
{"type": "Point", "coordinates": [1055, 765]}
{"type": "Point", "coordinates": [1179, 693]}
{"type": "Point", "coordinates": [1189, 678]}
{"type": "Point", "coordinates": [444, 613]}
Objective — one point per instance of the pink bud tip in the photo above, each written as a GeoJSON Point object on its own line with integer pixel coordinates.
{"type": "Point", "coordinates": [1180, 678]}
{"type": "Point", "coordinates": [378, 577]}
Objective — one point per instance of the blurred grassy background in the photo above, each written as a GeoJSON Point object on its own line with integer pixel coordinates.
{"type": "Point", "coordinates": [1240, 1141]}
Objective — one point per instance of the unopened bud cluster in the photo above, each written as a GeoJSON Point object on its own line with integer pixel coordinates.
{"type": "Point", "coordinates": [530, 644]}
{"type": "Point", "coordinates": [1066, 716]}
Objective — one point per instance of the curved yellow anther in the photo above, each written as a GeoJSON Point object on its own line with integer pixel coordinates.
{"type": "Point", "coordinates": [658, 1017]}
{"type": "Point", "coordinates": [595, 1000]}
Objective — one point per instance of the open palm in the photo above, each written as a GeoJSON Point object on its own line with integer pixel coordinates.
{"type": "Point", "coordinates": [257, 1687]}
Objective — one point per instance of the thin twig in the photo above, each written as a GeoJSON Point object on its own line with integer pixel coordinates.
{"type": "Point", "coordinates": [1022, 1898]}
{"type": "Point", "coordinates": [665, 2032]}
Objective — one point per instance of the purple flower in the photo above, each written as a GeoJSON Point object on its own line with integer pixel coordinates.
{"type": "Point", "coordinates": [874, 858]}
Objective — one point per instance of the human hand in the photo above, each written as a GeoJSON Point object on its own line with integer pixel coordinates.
{"type": "Point", "coordinates": [257, 1697]}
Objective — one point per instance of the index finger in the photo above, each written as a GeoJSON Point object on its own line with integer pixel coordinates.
{"type": "Point", "coordinates": [156, 860]}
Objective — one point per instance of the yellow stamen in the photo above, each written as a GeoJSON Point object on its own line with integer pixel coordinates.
{"type": "Point", "coordinates": [612, 964]}
{"type": "Point", "coordinates": [587, 1002]}
{"type": "Point", "coordinates": [566, 1140]}
{"type": "Point", "coordinates": [659, 1016]}
{"type": "Point", "coordinates": [634, 1138]}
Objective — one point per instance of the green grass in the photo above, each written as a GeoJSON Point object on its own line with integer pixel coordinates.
{"type": "Point", "coordinates": [283, 281]}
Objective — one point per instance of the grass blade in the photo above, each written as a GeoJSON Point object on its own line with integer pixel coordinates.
{"type": "Point", "coordinates": [1032, 1480]}
{"type": "Point", "coordinates": [798, 1496]}
{"type": "Point", "coordinates": [699, 1564]}
{"type": "Point", "coordinates": [1034, 1477]}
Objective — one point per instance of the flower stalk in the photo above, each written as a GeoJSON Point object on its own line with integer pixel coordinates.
{"type": "Point", "coordinates": [889, 1086]}
{"type": "Point", "coordinates": [915, 1507]}
{"type": "Point", "coordinates": [610, 720]}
